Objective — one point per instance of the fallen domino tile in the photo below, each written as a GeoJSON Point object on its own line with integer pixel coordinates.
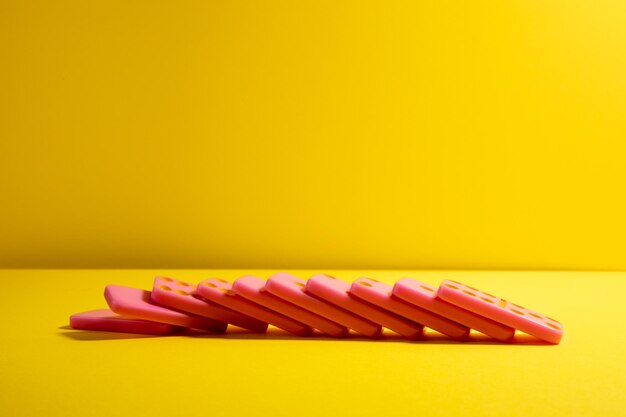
{"type": "Point", "coordinates": [502, 311]}
{"type": "Point", "coordinates": [253, 289]}
{"type": "Point", "coordinates": [292, 289]}
{"type": "Point", "coordinates": [182, 296]}
{"type": "Point", "coordinates": [135, 303]}
{"type": "Point", "coordinates": [427, 297]}
{"type": "Point", "coordinates": [380, 294]}
{"type": "Point", "coordinates": [220, 291]}
{"type": "Point", "coordinates": [336, 291]}
{"type": "Point", "coordinates": [107, 321]}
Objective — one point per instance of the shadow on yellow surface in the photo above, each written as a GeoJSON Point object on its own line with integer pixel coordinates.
{"type": "Point", "coordinates": [430, 337]}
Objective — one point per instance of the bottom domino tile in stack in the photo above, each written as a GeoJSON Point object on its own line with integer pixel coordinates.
{"type": "Point", "coordinates": [107, 321]}
{"type": "Point", "coordinates": [323, 305]}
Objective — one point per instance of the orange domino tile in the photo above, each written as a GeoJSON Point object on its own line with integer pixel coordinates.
{"type": "Point", "coordinates": [253, 289]}
{"type": "Point", "coordinates": [292, 289]}
{"type": "Point", "coordinates": [380, 294]}
{"type": "Point", "coordinates": [105, 320]}
{"type": "Point", "coordinates": [425, 296]}
{"type": "Point", "coordinates": [221, 292]}
{"type": "Point", "coordinates": [503, 311]}
{"type": "Point", "coordinates": [183, 296]}
{"type": "Point", "coordinates": [337, 292]}
{"type": "Point", "coordinates": [135, 303]}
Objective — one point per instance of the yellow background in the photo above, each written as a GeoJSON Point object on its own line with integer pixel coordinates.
{"type": "Point", "coordinates": [49, 369]}
{"type": "Point", "coordinates": [363, 134]}
{"type": "Point", "coordinates": [312, 134]}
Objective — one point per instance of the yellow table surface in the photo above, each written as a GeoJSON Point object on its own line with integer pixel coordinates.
{"type": "Point", "coordinates": [49, 369]}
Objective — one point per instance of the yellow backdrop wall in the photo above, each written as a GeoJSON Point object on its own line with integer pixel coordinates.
{"type": "Point", "coordinates": [361, 134]}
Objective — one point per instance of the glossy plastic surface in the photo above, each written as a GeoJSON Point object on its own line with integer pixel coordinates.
{"type": "Point", "coordinates": [425, 296]}
{"type": "Point", "coordinates": [379, 294]}
{"type": "Point", "coordinates": [292, 289]}
{"type": "Point", "coordinates": [253, 289]}
{"type": "Point", "coordinates": [181, 295]}
{"type": "Point", "coordinates": [220, 291]}
{"type": "Point", "coordinates": [135, 303]}
{"type": "Point", "coordinates": [502, 311]}
{"type": "Point", "coordinates": [107, 321]}
{"type": "Point", "coordinates": [336, 291]}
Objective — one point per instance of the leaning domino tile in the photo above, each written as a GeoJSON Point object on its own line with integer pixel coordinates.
{"type": "Point", "coordinates": [336, 291]}
{"type": "Point", "coordinates": [135, 303]}
{"type": "Point", "coordinates": [502, 311]}
{"type": "Point", "coordinates": [183, 296]}
{"type": "Point", "coordinates": [107, 321]}
{"type": "Point", "coordinates": [427, 297]}
{"type": "Point", "coordinates": [220, 291]}
{"type": "Point", "coordinates": [380, 294]}
{"type": "Point", "coordinates": [253, 289]}
{"type": "Point", "coordinates": [292, 289]}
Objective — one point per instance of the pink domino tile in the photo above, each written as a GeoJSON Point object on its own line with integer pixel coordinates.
{"type": "Point", "coordinates": [336, 291]}
{"type": "Point", "coordinates": [426, 297]}
{"type": "Point", "coordinates": [253, 289]}
{"type": "Point", "coordinates": [135, 303]}
{"type": "Point", "coordinates": [183, 296]}
{"type": "Point", "coordinates": [380, 294]}
{"type": "Point", "coordinates": [221, 292]}
{"type": "Point", "coordinates": [292, 289]}
{"type": "Point", "coordinates": [107, 321]}
{"type": "Point", "coordinates": [503, 311]}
